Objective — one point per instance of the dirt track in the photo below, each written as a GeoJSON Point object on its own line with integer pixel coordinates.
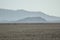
{"type": "Point", "coordinates": [32, 31]}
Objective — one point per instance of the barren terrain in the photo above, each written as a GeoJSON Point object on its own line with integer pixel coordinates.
{"type": "Point", "coordinates": [29, 31]}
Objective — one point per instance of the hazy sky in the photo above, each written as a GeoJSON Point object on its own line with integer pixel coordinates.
{"type": "Point", "coordinates": [50, 7]}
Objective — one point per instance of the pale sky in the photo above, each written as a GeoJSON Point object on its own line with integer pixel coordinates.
{"type": "Point", "coordinates": [50, 7]}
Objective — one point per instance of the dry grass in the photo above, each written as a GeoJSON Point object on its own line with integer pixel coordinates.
{"type": "Point", "coordinates": [30, 31]}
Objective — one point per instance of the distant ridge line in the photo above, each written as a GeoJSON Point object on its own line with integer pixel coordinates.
{"type": "Point", "coordinates": [29, 23]}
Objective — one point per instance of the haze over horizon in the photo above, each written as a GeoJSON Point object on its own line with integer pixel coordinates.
{"type": "Point", "coordinates": [49, 7]}
{"type": "Point", "coordinates": [23, 16]}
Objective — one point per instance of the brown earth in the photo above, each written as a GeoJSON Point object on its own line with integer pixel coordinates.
{"type": "Point", "coordinates": [29, 31]}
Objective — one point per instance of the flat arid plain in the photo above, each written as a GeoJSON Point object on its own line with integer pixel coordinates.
{"type": "Point", "coordinates": [29, 31]}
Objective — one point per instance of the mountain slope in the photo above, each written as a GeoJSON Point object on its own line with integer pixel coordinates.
{"type": "Point", "coordinates": [31, 20]}
{"type": "Point", "coordinates": [23, 15]}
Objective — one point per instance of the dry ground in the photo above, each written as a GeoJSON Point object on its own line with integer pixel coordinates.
{"type": "Point", "coordinates": [31, 31]}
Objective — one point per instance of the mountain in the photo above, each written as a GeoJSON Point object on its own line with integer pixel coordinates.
{"type": "Point", "coordinates": [13, 16]}
{"type": "Point", "coordinates": [31, 20]}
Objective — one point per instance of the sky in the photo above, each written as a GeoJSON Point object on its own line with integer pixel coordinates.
{"type": "Point", "coordinates": [49, 7]}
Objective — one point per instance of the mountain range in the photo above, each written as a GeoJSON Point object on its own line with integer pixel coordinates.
{"type": "Point", "coordinates": [23, 16]}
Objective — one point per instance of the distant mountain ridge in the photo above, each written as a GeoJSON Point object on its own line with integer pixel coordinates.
{"type": "Point", "coordinates": [31, 20]}
{"type": "Point", "coordinates": [7, 15]}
